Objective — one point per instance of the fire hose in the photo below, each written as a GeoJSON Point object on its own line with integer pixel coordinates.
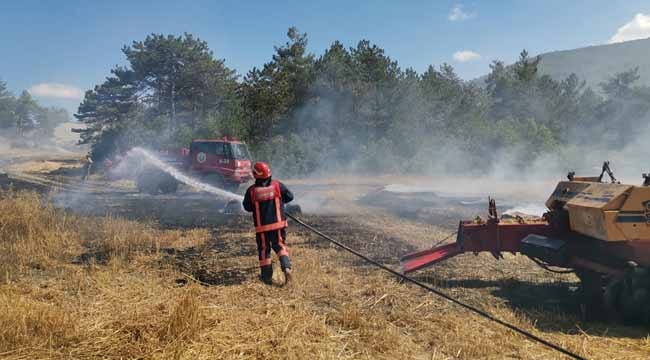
{"type": "Point", "coordinates": [445, 296]}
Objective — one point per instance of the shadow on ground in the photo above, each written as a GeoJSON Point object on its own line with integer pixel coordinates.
{"type": "Point", "coordinates": [553, 306]}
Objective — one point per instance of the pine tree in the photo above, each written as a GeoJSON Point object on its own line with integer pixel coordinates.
{"type": "Point", "coordinates": [7, 106]}
{"type": "Point", "coordinates": [25, 113]}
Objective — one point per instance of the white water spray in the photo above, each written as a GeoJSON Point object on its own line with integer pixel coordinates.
{"type": "Point", "coordinates": [178, 175]}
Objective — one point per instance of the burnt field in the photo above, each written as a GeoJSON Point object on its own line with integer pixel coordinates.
{"type": "Point", "coordinates": [127, 275]}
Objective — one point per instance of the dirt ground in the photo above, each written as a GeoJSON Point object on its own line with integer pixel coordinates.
{"type": "Point", "coordinates": [339, 307]}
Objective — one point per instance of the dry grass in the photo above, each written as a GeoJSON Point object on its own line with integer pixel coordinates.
{"type": "Point", "coordinates": [32, 234]}
{"type": "Point", "coordinates": [124, 301]}
{"type": "Point", "coordinates": [41, 166]}
{"type": "Point", "coordinates": [38, 236]}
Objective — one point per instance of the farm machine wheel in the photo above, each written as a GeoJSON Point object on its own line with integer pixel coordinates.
{"type": "Point", "coordinates": [591, 295]}
{"type": "Point", "coordinates": [629, 296]}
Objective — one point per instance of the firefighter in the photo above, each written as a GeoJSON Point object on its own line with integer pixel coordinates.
{"type": "Point", "coordinates": [266, 199]}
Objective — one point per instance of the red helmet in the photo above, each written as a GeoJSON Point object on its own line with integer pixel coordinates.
{"type": "Point", "coordinates": [261, 170]}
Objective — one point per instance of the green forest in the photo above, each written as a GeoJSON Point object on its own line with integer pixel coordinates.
{"type": "Point", "coordinates": [21, 115]}
{"type": "Point", "coordinates": [353, 108]}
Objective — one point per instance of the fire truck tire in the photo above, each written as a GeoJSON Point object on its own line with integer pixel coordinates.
{"type": "Point", "coordinates": [154, 182]}
{"type": "Point", "coordinates": [214, 180]}
{"type": "Point", "coordinates": [168, 186]}
{"type": "Point", "coordinates": [232, 187]}
{"type": "Point", "coordinates": [146, 183]}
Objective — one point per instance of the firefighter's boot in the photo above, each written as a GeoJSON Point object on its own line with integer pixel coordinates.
{"type": "Point", "coordinates": [266, 274]}
{"type": "Point", "coordinates": [285, 263]}
{"type": "Point", "coordinates": [288, 276]}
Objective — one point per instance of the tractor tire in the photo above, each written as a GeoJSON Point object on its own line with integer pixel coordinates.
{"type": "Point", "coordinates": [629, 296]}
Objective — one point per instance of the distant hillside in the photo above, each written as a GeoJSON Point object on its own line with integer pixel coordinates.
{"type": "Point", "coordinates": [595, 64]}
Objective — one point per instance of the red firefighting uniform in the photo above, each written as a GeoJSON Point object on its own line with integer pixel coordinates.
{"type": "Point", "coordinates": [266, 199]}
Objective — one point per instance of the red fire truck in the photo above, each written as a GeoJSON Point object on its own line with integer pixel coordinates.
{"type": "Point", "coordinates": [225, 163]}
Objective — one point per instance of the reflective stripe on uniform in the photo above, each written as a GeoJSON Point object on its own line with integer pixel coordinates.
{"type": "Point", "coordinates": [283, 252]}
{"type": "Point", "coordinates": [270, 227]}
{"type": "Point", "coordinates": [278, 201]}
{"type": "Point", "coordinates": [263, 258]}
{"type": "Point", "coordinates": [283, 249]}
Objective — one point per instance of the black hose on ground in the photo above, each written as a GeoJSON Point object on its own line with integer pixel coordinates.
{"type": "Point", "coordinates": [547, 267]}
{"type": "Point", "coordinates": [440, 293]}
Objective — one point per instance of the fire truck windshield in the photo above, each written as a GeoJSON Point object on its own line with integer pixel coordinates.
{"type": "Point", "coordinates": [240, 151]}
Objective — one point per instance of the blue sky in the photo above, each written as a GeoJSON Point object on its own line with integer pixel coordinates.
{"type": "Point", "coordinates": [58, 49]}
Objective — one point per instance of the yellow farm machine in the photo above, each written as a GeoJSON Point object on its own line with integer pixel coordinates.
{"type": "Point", "coordinates": [600, 230]}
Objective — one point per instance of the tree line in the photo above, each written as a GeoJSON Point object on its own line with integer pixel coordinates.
{"type": "Point", "coordinates": [353, 108]}
{"type": "Point", "coordinates": [22, 115]}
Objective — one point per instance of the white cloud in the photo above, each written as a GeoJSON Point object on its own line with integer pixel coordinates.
{"type": "Point", "coordinates": [59, 91]}
{"type": "Point", "coordinates": [466, 55]}
{"type": "Point", "coordinates": [637, 28]}
{"type": "Point", "coordinates": [458, 14]}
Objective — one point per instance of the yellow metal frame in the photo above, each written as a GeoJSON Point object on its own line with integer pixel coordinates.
{"type": "Point", "coordinates": [609, 212]}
